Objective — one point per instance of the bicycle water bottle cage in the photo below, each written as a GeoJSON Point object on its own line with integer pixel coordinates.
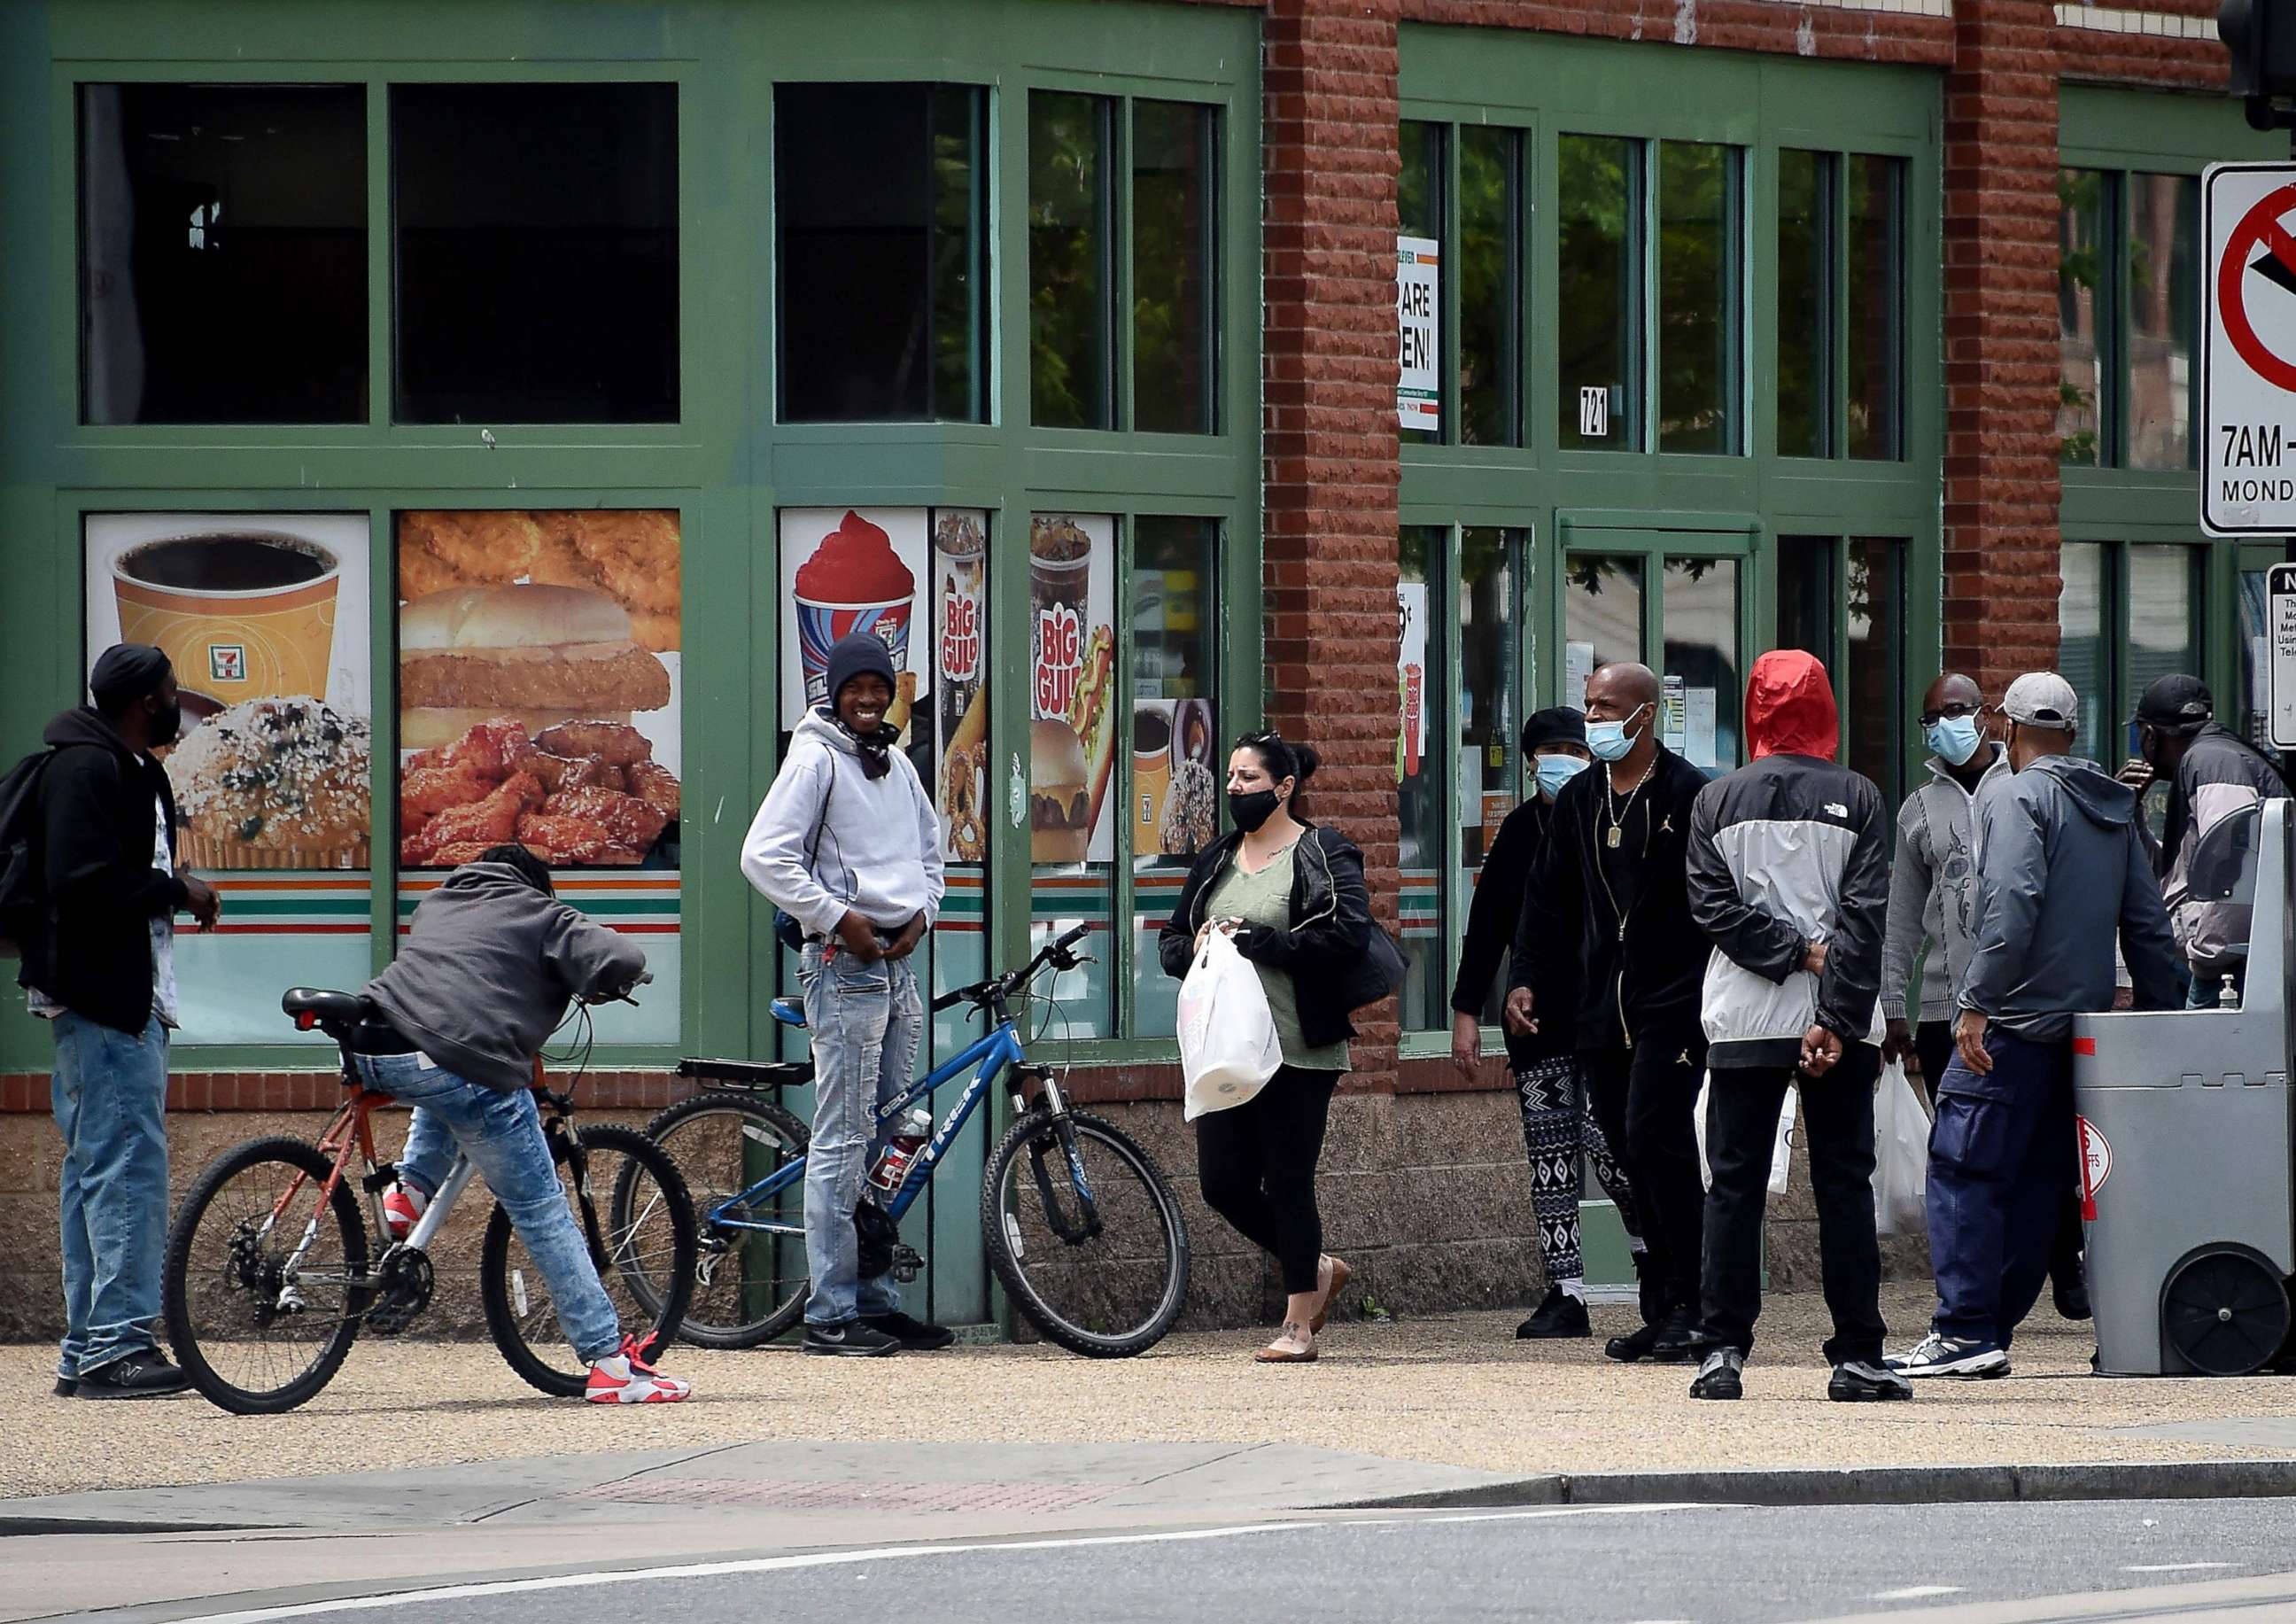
{"type": "Point", "coordinates": [789, 1012]}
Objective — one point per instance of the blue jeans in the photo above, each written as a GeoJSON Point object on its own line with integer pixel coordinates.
{"type": "Point", "coordinates": [866, 1022]}
{"type": "Point", "coordinates": [501, 1134]}
{"type": "Point", "coordinates": [110, 1092]}
{"type": "Point", "coordinates": [2001, 1167]}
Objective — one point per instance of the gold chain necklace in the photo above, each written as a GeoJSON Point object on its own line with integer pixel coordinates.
{"type": "Point", "coordinates": [1615, 812]}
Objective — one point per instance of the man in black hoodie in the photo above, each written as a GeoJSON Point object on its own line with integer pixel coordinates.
{"type": "Point", "coordinates": [101, 969]}
{"type": "Point", "coordinates": [1608, 911]}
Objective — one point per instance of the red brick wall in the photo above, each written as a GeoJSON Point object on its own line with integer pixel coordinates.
{"type": "Point", "coordinates": [1775, 26]}
{"type": "Point", "coordinates": [2001, 365]}
{"type": "Point", "coordinates": [1330, 156]}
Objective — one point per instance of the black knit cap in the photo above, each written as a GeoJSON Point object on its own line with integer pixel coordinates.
{"type": "Point", "coordinates": [857, 655]}
{"type": "Point", "coordinates": [1555, 724]}
{"type": "Point", "coordinates": [2177, 703]}
{"type": "Point", "coordinates": [127, 671]}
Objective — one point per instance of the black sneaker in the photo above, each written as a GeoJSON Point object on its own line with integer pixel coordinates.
{"type": "Point", "coordinates": [1632, 1348]}
{"type": "Point", "coordinates": [1558, 1314]}
{"type": "Point", "coordinates": [913, 1335]}
{"type": "Point", "coordinates": [2072, 1297]}
{"type": "Point", "coordinates": [1678, 1341]}
{"type": "Point", "coordinates": [1862, 1382]}
{"type": "Point", "coordinates": [66, 1386]}
{"type": "Point", "coordinates": [142, 1374]}
{"type": "Point", "coordinates": [855, 1339]}
{"type": "Point", "coordinates": [1720, 1377]}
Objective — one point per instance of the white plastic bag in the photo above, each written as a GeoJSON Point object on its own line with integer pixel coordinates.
{"type": "Point", "coordinates": [1901, 1152]}
{"type": "Point", "coordinates": [1228, 1047]}
{"type": "Point", "coordinates": [1781, 1152]}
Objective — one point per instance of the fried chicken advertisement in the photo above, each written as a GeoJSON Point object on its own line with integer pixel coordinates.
{"type": "Point", "coordinates": [495, 785]}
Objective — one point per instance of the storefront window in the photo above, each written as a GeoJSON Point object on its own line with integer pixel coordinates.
{"type": "Point", "coordinates": [2127, 614]}
{"type": "Point", "coordinates": [1703, 676]}
{"type": "Point", "coordinates": [1179, 766]}
{"type": "Point", "coordinates": [223, 253]}
{"type": "Point", "coordinates": [2080, 641]}
{"type": "Point", "coordinates": [882, 252]}
{"type": "Point", "coordinates": [1071, 292]}
{"type": "Point", "coordinates": [536, 252]}
{"type": "Point", "coordinates": [1873, 319]}
{"type": "Point", "coordinates": [1175, 231]}
{"type": "Point", "coordinates": [1601, 618]}
{"type": "Point", "coordinates": [1598, 292]}
{"type": "Point", "coordinates": [2163, 316]}
{"type": "Point", "coordinates": [1488, 773]}
{"type": "Point", "coordinates": [1876, 688]}
{"type": "Point", "coordinates": [1698, 271]}
{"type": "Point", "coordinates": [1490, 167]}
{"type": "Point", "coordinates": [1806, 578]}
{"type": "Point", "coordinates": [1419, 791]}
{"type": "Point", "coordinates": [2084, 284]}
{"type": "Point", "coordinates": [1805, 290]}
{"type": "Point", "coordinates": [1420, 211]}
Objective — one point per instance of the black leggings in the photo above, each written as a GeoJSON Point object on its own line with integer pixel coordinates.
{"type": "Point", "coordinates": [1255, 1163]}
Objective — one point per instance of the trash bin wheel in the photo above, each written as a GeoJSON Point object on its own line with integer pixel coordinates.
{"type": "Point", "coordinates": [2225, 1313]}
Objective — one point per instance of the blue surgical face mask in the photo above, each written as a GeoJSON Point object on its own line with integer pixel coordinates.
{"type": "Point", "coordinates": [1954, 738]}
{"type": "Point", "coordinates": [1609, 741]}
{"type": "Point", "coordinates": [1555, 770]}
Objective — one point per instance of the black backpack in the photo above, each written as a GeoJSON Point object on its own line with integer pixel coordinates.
{"type": "Point", "coordinates": [23, 899]}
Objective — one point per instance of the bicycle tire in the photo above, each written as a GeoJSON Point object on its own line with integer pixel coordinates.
{"type": "Point", "coordinates": [198, 1345]}
{"type": "Point", "coordinates": [1104, 1280]}
{"type": "Point", "coordinates": [512, 1319]}
{"type": "Point", "coordinates": [706, 1325]}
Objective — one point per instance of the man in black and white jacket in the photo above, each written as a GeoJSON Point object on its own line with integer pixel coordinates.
{"type": "Point", "coordinates": [1789, 873]}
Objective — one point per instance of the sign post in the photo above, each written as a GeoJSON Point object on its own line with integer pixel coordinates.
{"type": "Point", "coordinates": [2247, 351]}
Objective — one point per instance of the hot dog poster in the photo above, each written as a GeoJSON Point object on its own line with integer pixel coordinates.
{"type": "Point", "coordinates": [538, 682]}
{"type": "Point", "coordinates": [1072, 700]}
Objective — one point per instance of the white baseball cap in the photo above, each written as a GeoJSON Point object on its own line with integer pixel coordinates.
{"type": "Point", "coordinates": [2042, 699]}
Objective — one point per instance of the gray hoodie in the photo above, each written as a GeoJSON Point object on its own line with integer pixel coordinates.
{"type": "Point", "coordinates": [829, 837]}
{"type": "Point", "coordinates": [1933, 892]}
{"type": "Point", "coordinates": [2061, 872]}
{"type": "Point", "coordinates": [483, 976]}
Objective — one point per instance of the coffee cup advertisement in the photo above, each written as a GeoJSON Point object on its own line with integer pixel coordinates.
{"type": "Point", "coordinates": [1072, 686]}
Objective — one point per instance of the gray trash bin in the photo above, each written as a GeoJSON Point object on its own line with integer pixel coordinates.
{"type": "Point", "coordinates": [2186, 1142]}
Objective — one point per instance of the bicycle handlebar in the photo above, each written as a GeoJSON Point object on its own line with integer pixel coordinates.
{"type": "Point", "coordinates": [1058, 953]}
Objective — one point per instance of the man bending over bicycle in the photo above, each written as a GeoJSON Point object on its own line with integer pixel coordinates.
{"type": "Point", "coordinates": [849, 846]}
{"type": "Point", "coordinates": [479, 983]}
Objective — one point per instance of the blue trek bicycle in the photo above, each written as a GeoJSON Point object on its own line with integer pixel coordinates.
{"type": "Point", "coordinates": [1080, 1223]}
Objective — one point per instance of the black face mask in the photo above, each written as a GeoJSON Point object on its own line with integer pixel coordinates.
{"type": "Point", "coordinates": [1250, 811]}
{"type": "Point", "coordinates": [166, 724]}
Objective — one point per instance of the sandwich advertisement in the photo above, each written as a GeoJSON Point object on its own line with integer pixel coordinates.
{"type": "Point", "coordinates": [1071, 687]}
{"type": "Point", "coordinates": [538, 686]}
{"type": "Point", "coordinates": [264, 617]}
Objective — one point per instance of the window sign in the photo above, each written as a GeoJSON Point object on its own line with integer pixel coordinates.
{"type": "Point", "coordinates": [264, 617]}
{"type": "Point", "coordinates": [1416, 307]}
{"type": "Point", "coordinates": [1072, 705]}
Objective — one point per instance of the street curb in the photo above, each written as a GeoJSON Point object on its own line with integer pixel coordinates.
{"type": "Point", "coordinates": [12, 1526]}
{"type": "Point", "coordinates": [1868, 1485]}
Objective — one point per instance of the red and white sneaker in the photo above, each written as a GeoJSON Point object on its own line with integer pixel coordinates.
{"type": "Point", "coordinates": [401, 1207]}
{"type": "Point", "coordinates": [625, 1378]}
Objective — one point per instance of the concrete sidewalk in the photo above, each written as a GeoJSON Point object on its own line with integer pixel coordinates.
{"type": "Point", "coordinates": [1453, 1393]}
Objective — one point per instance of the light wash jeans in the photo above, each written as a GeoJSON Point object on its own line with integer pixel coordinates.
{"type": "Point", "coordinates": [110, 1092]}
{"type": "Point", "coordinates": [865, 1021]}
{"type": "Point", "coordinates": [501, 1134]}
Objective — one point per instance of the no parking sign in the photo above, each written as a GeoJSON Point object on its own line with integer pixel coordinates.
{"type": "Point", "coordinates": [2248, 353]}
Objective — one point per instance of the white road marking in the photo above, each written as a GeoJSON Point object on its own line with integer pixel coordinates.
{"type": "Point", "coordinates": [1915, 1593]}
{"type": "Point", "coordinates": [2176, 1566]}
{"type": "Point", "coordinates": [826, 1559]}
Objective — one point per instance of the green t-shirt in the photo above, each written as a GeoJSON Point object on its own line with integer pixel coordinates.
{"type": "Point", "coordinates": [1265, 898]}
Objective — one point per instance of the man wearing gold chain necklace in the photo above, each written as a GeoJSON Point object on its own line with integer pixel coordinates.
{"type": "Point", "coordinates": [1612, 916]}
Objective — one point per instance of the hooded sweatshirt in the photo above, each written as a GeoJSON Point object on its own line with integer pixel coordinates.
{"type": "Point", "coordinates": [2221, 773]}
{"type": "Point", "coordinates": [2061, 872]}
{"type": "Point", "coordinates": [483, 976]}
{"type": "Point", "coordinates": [830, 838]}
{"type": "Point", "coordinates": [1791, 849]}
{"type": "Point", "coordinates": [1933, 889]}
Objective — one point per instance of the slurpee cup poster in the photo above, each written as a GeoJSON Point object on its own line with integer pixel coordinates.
{"type": "Point", "coordinates": [854, 570]}
{"type": "Point", "coordinates": [1411, 678]}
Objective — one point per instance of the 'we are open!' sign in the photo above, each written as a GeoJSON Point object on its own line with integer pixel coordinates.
{"type": "Point", "coordinates": [1416, 271]}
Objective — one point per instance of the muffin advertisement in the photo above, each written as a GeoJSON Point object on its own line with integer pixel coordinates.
{"type": "Point", "coordinates": [265, 617]}
{"type": "Point", "coordinates": [538, 686]}
{"type": "Point", "coordinates": [1072, 700]}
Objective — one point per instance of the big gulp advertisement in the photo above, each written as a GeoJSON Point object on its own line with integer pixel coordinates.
{"type": "Point", "coordinates": [539, 680]}
{"type": "Point", "coordinates": [1072, 686]}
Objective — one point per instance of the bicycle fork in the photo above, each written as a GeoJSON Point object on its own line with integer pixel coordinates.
{"type": "Point", "coordinates": [1085, 1225]}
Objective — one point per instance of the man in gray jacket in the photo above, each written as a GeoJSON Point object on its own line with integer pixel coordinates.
{"type": "Point", "coordinates": [2062, 873]}
{"type": "Point", "coordinates": [849, 846]}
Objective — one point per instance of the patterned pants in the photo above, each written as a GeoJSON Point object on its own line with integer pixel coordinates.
{"type": "Point", "coordinates": [1559, 1129]}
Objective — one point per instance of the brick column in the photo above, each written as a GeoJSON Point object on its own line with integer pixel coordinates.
{"type": "Point", "coordinates": [1332, 159]}
{"type": "Point", "coordinates": [2001, 365]}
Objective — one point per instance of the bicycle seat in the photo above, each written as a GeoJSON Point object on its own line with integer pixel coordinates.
{"type": "Point", "coordinates": [789, 1012]}
{"type": "Point", "coordinates": [312, 1007]}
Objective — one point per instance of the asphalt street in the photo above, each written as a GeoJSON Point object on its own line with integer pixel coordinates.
{"type": "Point", "coordinates": [1636, 1565]}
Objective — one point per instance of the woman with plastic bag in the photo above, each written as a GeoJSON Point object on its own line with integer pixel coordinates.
{"type": "Point", "coordinates": [1290, 895]}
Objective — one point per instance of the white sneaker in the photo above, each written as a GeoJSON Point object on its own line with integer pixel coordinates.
{"type": "Point", "coordinates": [402, 1207]}
{"type": "Point", "coordinates": [625, 1378]}
{"type": "Point", "coordinates": [1940, 1355]}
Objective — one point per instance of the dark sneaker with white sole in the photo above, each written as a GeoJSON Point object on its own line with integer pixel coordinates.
{"type": "Point", "coordinates": [853, 1339]}
{"type": "Point", "coordinates": [1859, 1382]}
{"type": "Point", "coordinates": [144, 1374]}
{"type": "Point", "coordinates": [1559, 1314]}
{"type": "Point", "coordinates": [914, 1335]}
{"type": "Point", "coordinates": [1968, 1357]}
{"type": "Point", "coordinates": [1720, 1376]}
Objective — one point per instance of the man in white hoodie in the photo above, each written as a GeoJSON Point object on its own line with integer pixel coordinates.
{"type": "Point", "coordinates": [847, 845]}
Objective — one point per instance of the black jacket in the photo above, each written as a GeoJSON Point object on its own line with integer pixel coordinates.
{"type": "Point", "coordinates": [1636, 978]}
{"type": "Point", "coordinates": [1492, 920]}
{"type": "Point", "coordinates": [94, 957]}
{"type": "Point", "coordinates": [1328, 949]}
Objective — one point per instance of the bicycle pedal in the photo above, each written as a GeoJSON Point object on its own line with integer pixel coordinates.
{"type": "Point", "coordinates": [907, 1264]}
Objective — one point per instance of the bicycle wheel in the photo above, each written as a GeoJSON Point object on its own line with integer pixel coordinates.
{"type": "Point", "coordinates": [651, 1238]}
{"type": "Point", "coordinates": [1086, 1234]}
{"type": "Point", "coordinates": [258, 1329]}
{"type": "Point", "coordinates": [749, 1286]}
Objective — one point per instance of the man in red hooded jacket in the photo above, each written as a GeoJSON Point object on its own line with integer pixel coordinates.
{"type": "Point", "coordinates": [1789, 878]}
